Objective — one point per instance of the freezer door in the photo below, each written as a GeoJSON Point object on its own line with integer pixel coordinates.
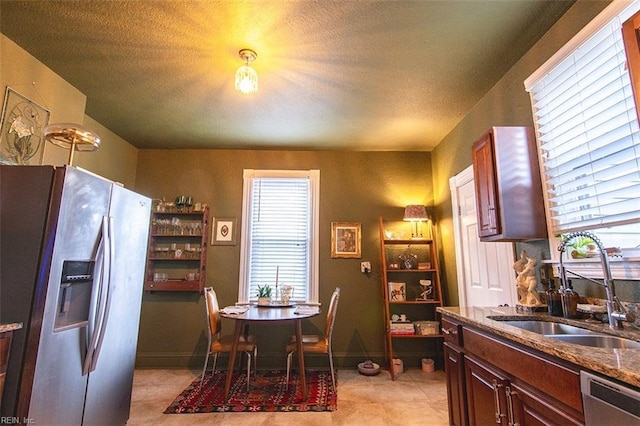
{"type": "Point", "coordinates": [110, 381]}
{"type": "Point", "coordinates": [58, 385]}
{"type": "Point", "coordinates": [24, 207]}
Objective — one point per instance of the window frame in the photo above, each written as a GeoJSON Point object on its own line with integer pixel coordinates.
{"type": "Point", "coordinates": [313, 248]}
{"type": "Point", "coordinates": [626, 267]}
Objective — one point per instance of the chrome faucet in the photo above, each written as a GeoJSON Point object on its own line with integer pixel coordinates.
{"type": "Point", "coordinates": [616, 312]}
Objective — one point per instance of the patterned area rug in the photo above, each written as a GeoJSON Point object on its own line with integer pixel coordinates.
{"type": "Point", "coordinates": [266, 393]}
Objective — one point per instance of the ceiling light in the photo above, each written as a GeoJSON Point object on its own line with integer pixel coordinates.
{"type": "Point", "coordinates": [247, 77]}
{"type": "Point", "coordinates": [73, 137]}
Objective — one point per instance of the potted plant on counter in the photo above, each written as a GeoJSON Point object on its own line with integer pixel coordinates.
{"type": "Point", "coordinates": [264, 295]}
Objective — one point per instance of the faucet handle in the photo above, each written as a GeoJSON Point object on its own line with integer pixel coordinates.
{"type": "Point", "coordinates": [622, 314]}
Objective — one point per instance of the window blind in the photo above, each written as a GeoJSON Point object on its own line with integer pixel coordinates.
{"type": "Point", "coordinates": [280, 230]}
{"type": "Point", "coordinates": [588, 135]}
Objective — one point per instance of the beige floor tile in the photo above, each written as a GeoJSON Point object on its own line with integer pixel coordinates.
{"type": "Point", "coordinates": [414, 398]}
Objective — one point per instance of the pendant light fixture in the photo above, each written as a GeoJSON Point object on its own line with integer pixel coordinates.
{"type": "Point", "coordinates": [247, 77]}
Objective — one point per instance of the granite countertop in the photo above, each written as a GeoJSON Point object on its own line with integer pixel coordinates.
{"type": "Point", "coordinates": [621, 364]}
{"type": "Point", "coordinates": [10, 327]}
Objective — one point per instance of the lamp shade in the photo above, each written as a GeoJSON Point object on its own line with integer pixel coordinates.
{"type": "Point", "coordinates": [246, 76]}
{"type": "Point", "coordinates": [246, 80]}
{"type": "Point", "coordinates": [415, 213]}
{"type": "Point", "coordinates": [73, 137]}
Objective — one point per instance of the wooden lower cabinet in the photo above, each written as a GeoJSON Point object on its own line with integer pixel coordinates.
{"type": "Point", "coordinates": [486, 400]}
{"type": "Point", "coordinates": [530, 408]}
{"type": "Point", "coordinates": [454, 368]}
{"type": "Point", "coordinates": [492, 397]}
{"type": "Point", "coordinates": [493, 381]}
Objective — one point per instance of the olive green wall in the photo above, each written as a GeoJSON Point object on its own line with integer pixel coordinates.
{"type": "Point", "coordinates": [354, 187]}
{"type": "Point", "coordinates": [506, 104]}
{"type": "Point", "coordinates": [116, 158]}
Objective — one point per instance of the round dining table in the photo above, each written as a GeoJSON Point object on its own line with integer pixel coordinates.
{"type": "Point", "coordinates": [276, 314]}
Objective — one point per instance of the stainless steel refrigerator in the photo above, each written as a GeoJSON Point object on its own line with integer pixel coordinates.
{"type": "Point", "coordinates": [72, 260]}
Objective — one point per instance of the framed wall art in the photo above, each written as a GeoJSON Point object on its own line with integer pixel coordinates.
{"type": "Point", "coordinates": [22, 126]}
{"type": "Point", "coordinates": [346, 240]}
{"type": "Point", "coordinates": [223, 231]}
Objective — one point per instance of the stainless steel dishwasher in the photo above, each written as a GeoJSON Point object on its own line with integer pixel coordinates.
{"type": "Point", "coordinates": [608, 403]}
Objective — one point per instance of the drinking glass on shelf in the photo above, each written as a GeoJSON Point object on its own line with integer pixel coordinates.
{"type": "Point", "coordinates": [175, 224]}
{"type": "Point", "coordinates": [188, 203]}
{"type": "Point", "coordinates": [194, 228]}
{"type": "Point", "coordinates": [180, 202]}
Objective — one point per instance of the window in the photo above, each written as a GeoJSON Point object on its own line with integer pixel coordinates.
{"type": "Point", "coordinates": [280, 233]}
{"type": "Point", "coordinates": [588, 134]}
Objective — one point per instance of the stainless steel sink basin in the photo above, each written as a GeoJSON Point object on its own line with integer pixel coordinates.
{"type": "Point", "coordinates": [575, 335]}
{"type": "Point", "coordinates": [598, 341]}
{"type": "Point", "coordinates": [548, 328]}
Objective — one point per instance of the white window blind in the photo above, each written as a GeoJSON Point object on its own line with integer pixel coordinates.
{"type": "Point", "coordinates": [279, 223]}
{"type": "Point", "coordinates": [588, 134]}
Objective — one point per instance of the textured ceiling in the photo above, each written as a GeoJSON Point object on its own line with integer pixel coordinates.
{"type": "Point", "coordinates": [343, 75]}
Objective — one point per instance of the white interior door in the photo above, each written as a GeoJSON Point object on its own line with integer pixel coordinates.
{"type": "Point", "coordinates": [485, 270]}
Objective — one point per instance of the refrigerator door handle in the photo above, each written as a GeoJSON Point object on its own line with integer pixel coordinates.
{"type": "Point", "coordinates": [98, 324]}
{"type": "Point", "coordinates": [109, 263]}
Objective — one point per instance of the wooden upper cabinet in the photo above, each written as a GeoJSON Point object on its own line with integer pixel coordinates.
{"type": "Point", "coordinates": [509, 199]}
{"type": "Point", "coordinates": [631, 37]}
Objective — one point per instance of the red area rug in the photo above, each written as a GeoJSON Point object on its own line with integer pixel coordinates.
{"type": "Point", "coordinates": [266, 393]}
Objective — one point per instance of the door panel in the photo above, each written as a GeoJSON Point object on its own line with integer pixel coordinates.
{"type": "Point", "coordinates": [486, 403]}
{"type": "Point", "coordinates": [485, 272]}
{"type": "Point", "coordinates": [454, 368]}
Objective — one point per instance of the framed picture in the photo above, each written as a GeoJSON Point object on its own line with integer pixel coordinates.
{"type": "Point", "coordinates": [397, 291]}
{"type": "Point", "coordinates": [223, 232]}
{"type": "Point", "coordinates": [345, 240]}
{"type": "Point", "coordinates": [22, 130]}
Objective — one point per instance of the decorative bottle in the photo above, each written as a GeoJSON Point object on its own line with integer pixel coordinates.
{"type": "Point", "coordinates": [570, 301]}
{"type": "Point", "coordinates": [554, 300]}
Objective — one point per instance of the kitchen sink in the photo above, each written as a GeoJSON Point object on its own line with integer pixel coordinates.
{"type": "Point", "coordinates": [549, 328]}
{"type": "Point", "coordinates": [598, 341]}
{"type": "Point", "coordinates": [572, 334]}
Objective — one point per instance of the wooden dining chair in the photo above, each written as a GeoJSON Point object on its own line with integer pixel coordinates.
{"type": "Point", "coordinates": [318, 344]}
{"type": "Point", "coordinates": [218, 343]}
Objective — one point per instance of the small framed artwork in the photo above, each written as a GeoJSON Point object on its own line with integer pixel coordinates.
{"type": "Point", "coordinates": [346, 240]}
{"type": "Point", "coordinates": [223, 232]}
{"type": "Point", "coordinates": [397, 291]}
{"type": "Point", "coordinates": [22, 126]}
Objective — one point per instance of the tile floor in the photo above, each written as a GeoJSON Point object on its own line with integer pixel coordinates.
{"type": "Point", "coordinates": [414, 398]}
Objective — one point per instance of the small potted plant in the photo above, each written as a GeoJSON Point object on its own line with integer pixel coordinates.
{"type": "Point", "coordinates": [264, 295]}
{"type": "Point", "coordinates": [581, 247]}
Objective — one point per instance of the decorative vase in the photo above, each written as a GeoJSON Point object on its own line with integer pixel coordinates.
{"type": "Point", "coordinates": [264, 301]}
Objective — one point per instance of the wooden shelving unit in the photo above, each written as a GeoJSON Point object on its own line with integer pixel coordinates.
{"type": "Point", "coordinates": [411, 301]}
{"type": "Point", "coordinates": [177, 256]}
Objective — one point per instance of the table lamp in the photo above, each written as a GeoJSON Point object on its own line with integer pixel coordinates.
{"type": "Point", "coordinates": [416, 214]}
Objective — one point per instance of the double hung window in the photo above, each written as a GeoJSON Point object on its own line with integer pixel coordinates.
{"type": "Point", "coordinates": [280, 233]}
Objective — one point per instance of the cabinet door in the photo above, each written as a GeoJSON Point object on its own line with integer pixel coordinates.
{"type": "Point", "coordinates": [454, 368]}
{"type": "Point", "coordinates": [486, 400]}
{"type": "Point", "coordinates": [486, 190]}
{"type": "Point", "coordinates": [528, 407]}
